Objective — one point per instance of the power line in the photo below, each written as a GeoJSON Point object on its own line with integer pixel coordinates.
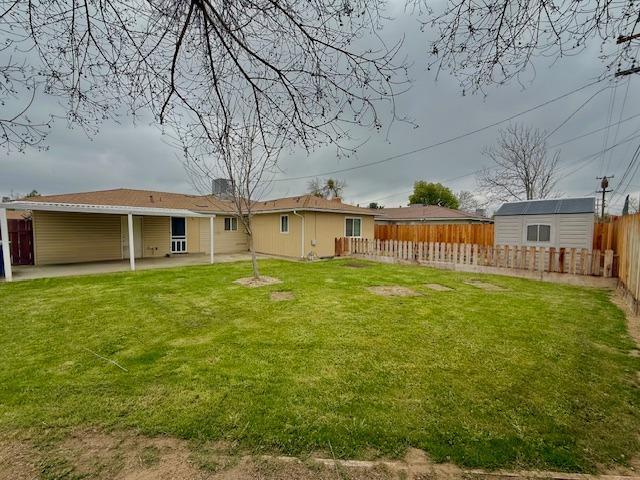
{"type": "Point", "coordinates": [564, 122]}
{"type": "Point", "coordinates": [587, 158]}
{"type": "Point", "coordinates": [595, 131]}
{"type": "Point", "coordinates": [442, 142]}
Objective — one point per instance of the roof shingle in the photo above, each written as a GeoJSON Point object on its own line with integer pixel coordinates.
{"type": "Point", "coordinates": [427, 212]}
{"type": "Point", "coordinates": [125, 197]}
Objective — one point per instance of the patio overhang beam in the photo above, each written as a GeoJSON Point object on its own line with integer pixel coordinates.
{"type": "Point", "coordinates": [106, 209]}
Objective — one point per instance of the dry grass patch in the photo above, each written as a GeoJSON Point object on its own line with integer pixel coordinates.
{"type": "Point", "coordinates": [490, 287]}
{"type": "Point", "coordinates": [282, 296]}
{"type": "Point", "coordinates": [393, 291]}
{"type": "Point", "coordinates": [437, 287]}
{"type": "Point", "coordinates": [262, 281]}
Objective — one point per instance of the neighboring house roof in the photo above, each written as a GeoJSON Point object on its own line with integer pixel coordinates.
{"type": "Point", "coordinates": [549, 207]}
{"type": "Point", "coordinates": [425, 213]}
{"type": "Point", "coordinates": [168, 201]}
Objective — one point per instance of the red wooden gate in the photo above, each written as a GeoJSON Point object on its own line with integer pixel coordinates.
{"type": "Point", "coordinates": [21, 238]}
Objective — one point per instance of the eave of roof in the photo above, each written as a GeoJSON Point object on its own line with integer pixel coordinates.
{"type": "Point", "coordinates": [108, 209]}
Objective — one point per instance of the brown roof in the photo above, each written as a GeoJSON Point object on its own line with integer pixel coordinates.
{"type": "Point", "coordinates": [310, 202]}
{"type": "Point", "coordinates": [426, 212]}
{"type": "Point", "coordinates": [125, 197]}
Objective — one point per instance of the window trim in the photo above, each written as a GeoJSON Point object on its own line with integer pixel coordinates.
{"type": "Point", "coordinates": [231, 224]}
{"type": "Point", "coordinates": [538, 241]}
{"type": "Point", "coordinates": [345, 227]}
{"type": "Point", "coordinates": [280, 225]}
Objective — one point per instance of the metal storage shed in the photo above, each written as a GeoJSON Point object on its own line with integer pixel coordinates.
{"type": "Point", "coordinates": [564, 222]}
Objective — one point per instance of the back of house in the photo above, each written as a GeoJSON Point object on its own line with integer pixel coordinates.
{"type": "Point", "coordinates": [94, 226]}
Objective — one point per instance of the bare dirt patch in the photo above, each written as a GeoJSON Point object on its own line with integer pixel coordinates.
{"type": "Point", "coordinates": [17, 460]}
{"type": "Point", "coordinates": [393, 291]}
{"type": "Point", "coordinates": [490, 287]}
{"type": "Point", "coordinates": [129, 456]}
{"type": "Point", "coordinates": [252, 282]}
{"type": "Point", "coordinates": [633, 321]}
{"type": "Point", "coordinates": [437, 287]}
{"type": "Point", "coordinates": [282, 296]}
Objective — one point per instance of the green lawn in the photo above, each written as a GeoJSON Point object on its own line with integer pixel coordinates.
{"type": "Point", "coordinates": [538, 375]}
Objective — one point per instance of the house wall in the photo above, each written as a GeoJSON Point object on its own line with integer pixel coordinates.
{"type": "Point", "coordinates": [567, 230]}
{"type": "Point", "coordinates": [156, 236]}
{"type": "Point", "coordinates": [224, 241]}
{"type": "Point", "coordinates": [268, 239]}
{"type": "Point", "coordinates": [321, 230]}
{"type": "Point", "coordinates": [75, 237]}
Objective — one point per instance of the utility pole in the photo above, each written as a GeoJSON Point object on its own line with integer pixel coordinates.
{"type": "Point", "coordinates": [604, 184]}
{"type": "Point", "coordinates": [626, 39]}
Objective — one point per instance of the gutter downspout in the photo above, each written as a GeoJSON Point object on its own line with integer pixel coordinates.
{"type": "Point", "coordinates": [302, 236]}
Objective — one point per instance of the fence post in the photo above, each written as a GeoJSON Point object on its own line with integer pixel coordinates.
{"type": "Point", "coordinates": [608, 263]}
{"type": "Point", "coordinates": [475, 254]}
{"type": "Point", "coordinates": [561, 259]}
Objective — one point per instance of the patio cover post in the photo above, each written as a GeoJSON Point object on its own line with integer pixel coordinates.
{"type": "Point", "coordinates": [212, 233]}
{"type": "Point", "coordinates": [6, 254]}
{"type": "Point", "coordinates": [132, 253]}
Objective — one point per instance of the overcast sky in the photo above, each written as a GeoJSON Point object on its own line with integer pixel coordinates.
{"type": "Point", "coordinates": [124, 155]}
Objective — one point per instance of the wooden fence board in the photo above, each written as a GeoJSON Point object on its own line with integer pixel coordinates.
{"type": "Point", "coordinates": [557, 260]}
{"type": "Point", "coordinates": [476, 233]}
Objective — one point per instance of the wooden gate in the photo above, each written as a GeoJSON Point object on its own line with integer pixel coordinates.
{"type": "Point", "coordinates": [21, 238]}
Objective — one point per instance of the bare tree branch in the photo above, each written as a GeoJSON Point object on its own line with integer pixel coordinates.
{"type": "Point", "coordinates": [522, 168]}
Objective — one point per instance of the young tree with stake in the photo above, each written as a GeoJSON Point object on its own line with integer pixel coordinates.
{"type": "Point", "coordinates": [240, 155]}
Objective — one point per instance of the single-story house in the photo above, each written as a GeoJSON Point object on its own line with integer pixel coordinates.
{"type": "Point", "coordinates": [564, 222]}
{"type": "Point", "coordinates": [427, 214]}
{"type": "Point", "coordinates": [102, 225]}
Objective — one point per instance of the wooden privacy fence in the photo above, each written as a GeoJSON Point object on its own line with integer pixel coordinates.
{"type": "Point", "coordinates": [562, 260]}
{"type": "Point", "coordinates": [627, 244]}
{"type": "Point", "coordinates": [472, 233]}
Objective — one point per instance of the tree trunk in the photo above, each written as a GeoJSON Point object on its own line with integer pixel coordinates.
{"type": "Point", "coordinates": [254, 260]}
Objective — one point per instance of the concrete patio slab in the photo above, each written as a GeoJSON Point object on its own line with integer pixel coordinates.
{"type": "Point", "coordinates": [32, 272]}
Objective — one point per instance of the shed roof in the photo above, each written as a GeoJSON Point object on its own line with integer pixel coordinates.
{"type": "Point", "coordinates": [549, 207]}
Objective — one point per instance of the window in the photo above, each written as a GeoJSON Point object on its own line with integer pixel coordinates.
{"type": "Point", "coordinates": [353, 227]}
{"type": "Point", "coordinates": [284, 223]}
{"type": "Point", "coordinates": [538, 233]}
{"type": "Point", "coordinates": [230, 224]}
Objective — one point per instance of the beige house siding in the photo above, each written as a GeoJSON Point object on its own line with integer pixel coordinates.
{"type": "Point", "coordinates": [225, 241]}
{"type": "Point", "coordinates": [156, 232]}
{"type": "Point", "coordinates": [268, 239]}
{"type": "Point", "coordinates": [75, 237]}
{"type": "Point", "coordinates": [62, 237]}
{"type": "Point", "coordinates": [325, 227]}
{"type": "Point", "coordinates": [321, 230]}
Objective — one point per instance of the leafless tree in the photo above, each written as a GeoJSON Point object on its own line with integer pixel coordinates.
{"type": "Point", "coordinates": [522, 168]}
{"type": "Point", "coordinates": [242, 157]}
{"type": "Point", "coordinates": [300, 65]}
{"type": "Point", "coordinates": [468, 201]}
{"type": "Point", "coordinates": [328, 188]}
{"type": "Point", "coordinates": [485, 43]}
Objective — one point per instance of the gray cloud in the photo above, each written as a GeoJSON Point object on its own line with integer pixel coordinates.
{"type": "Point", "coordinates": [124, 155]}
